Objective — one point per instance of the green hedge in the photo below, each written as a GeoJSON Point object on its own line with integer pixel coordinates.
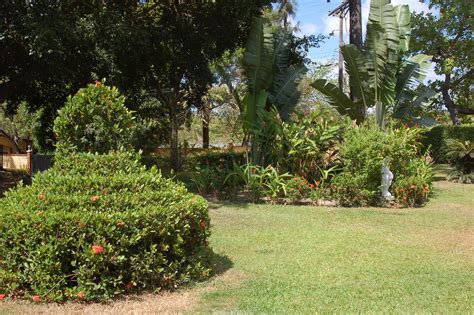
{"type": "Point", "coordinates": [96, 226]}
{"type": "Point", "coordinates": [436, 138]}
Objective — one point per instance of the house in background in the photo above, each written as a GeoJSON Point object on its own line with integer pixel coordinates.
{"type": "Point", "coordinates": [9, 145]}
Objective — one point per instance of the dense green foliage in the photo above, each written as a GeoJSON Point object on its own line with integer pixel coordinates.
{"type": "Point", "coordinates": [362, 155]}
{"type": "Point", "coordinates": [94, 120]}
{"type": "Point", "coordinates": [96, 226]}
{"type": "Point", "coordinates": [434, 139]}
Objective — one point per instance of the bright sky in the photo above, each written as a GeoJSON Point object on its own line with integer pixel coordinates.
{"type": "Point", "coordinates": [312, 16]}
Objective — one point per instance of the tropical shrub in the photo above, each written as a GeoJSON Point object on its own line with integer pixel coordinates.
{"type": "Point", "coordinates": [94, 120]}
{"type": "Point", "coordinates": [298, 188]}
{"type": "Point", "coordinates": [309, 145]}
{"type": "Point", "coordinates": [272, 85]}
{"type": "Point", "coordinates": [96, 226]}
{"type": "Point", "coordinates": [461, 156]}
{"type": "Point", "coordinates": [363, 153]}
{"type": "Point", "coordinates": [411, 191]}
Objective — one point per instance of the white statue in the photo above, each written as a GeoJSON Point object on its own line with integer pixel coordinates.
{"type": "Point", "coordinates": [387, 177]}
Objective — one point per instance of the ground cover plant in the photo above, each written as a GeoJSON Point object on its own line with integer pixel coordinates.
{"type": "Point", "coordinates": [96, 226]}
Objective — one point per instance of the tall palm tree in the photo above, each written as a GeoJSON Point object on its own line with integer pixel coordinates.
{"type": "Point", "coordinates": [287, 8]}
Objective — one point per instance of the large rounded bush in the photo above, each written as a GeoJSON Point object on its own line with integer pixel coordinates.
{"type": "Point", "coordinates": [96, 226]}
{"type": "Point", "coordinates": [94, 120]}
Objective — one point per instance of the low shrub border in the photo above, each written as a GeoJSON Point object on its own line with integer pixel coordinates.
{"type": "Point", "coordinates": [96, 226]}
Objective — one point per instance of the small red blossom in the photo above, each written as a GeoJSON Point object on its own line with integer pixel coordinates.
{"type": "Point", "coordinates": [2, 296]}
{"type": "Point", "coordinates": [98, 83]}
{"type": "Point", "coordinates": [97, 249]}
{"type": "Point", "coordinates": [129, 285]}
{"type": "Point", "coordinates": [94, 199]}
{"type": "Point", "coordinates": [36, 298]}
{"type": "Point", "coordinates": [202, 224]}
{"type": "Point", "coordinates": [81, 295]}
{"type": "Point", "coordinates": [407, 126]}
{"type": "Point", "coordinates": [311, 186]}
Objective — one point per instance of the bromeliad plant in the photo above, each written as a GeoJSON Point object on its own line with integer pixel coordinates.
{"type": "Point", "coordinates": [272, 84]}
{"type": "Point", "coordinates": [380, 75]}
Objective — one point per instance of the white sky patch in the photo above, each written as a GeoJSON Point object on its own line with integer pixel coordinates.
{"type": "Point", "coordinates": [309, 29]}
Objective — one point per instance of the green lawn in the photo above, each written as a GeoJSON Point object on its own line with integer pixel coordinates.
{"type": "Point", "coordinates": [308, 259]}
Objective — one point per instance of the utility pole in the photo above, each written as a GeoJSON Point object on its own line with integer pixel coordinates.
{"type": "Point", "coordinates": [341, 12]}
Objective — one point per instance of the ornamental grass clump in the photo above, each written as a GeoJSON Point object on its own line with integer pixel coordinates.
{"type": "Point", "coordinates": [97, 226]}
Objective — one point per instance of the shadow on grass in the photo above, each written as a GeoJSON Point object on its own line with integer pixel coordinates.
{"type": "Point", "coordinates": [219, 263]}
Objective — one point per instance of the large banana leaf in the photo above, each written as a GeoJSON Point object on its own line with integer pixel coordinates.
{"type": "Point", "coordinates": [404, 25]}
{"type": "Point", "coordinates": [358, 75]}
{"type": "Point", "coordinates": [285, 94]}
{"type": "Point", "coordinates": [413, 71]}
{"type": "Point", "coordinates": [343, 104]}
{"type": "Point", "coordinates": [258, 56]}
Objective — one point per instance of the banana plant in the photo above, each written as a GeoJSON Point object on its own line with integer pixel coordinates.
{"type": "Point", "coordinates": [379, 74]}
{"type": "Point", "coordinates": [272, 81]}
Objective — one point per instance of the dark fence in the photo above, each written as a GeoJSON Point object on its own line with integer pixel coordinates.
{"type": "Point", "coordinates": [40, 162]}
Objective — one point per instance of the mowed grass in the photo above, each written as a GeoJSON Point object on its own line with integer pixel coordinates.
{"type": "Point", "coordinates": [308, 259]}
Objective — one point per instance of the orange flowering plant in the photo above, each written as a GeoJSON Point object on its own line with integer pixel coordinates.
{"type": "Point", "coordinates": [72, 244]}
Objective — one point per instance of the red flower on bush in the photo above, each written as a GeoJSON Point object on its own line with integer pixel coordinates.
{"type": "Point", "coordinates": [129, 285]}
{"type": "Point", "coordinates": [36, 298]}
{"type": "Point", "coordinates": [407, 126]}
{"type": "Point", "coordinates": [202, 224]}
{"type": "Point", "coordinates": [81, 295]}
{"type": "Point", "coordinates": [311, 186]}
{"type": "Point", "coordinates": [97, 249]}
{"type": "Point", "coordinates": [2, 296]}
{"type": "Point", "coordinates": [98, 83]}
{"type": "Point", "coordinates": [94, 199]}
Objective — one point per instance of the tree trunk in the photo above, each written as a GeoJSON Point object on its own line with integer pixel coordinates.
{"type": "Point", "coordinates": [206, 116]}
{"type": "Point", "coordinates": [174, 157]}
{"type": "Point", "coordinates": [448, 101]}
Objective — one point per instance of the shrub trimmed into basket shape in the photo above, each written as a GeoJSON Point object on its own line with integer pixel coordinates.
{"type": "Point", "coordinates": [104, 227]}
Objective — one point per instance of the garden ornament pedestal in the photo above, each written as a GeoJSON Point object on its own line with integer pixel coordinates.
{"type": "Point", "coordinates": [387, 178]}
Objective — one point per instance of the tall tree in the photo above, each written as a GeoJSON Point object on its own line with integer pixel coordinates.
{"type": "Point", "coordinates": [448, 36]}
{"type": "Point", "coordinates": [189, 36]}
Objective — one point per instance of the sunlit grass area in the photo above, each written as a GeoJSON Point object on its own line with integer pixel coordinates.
{"type": "Point", "coordinates": [309, 259]}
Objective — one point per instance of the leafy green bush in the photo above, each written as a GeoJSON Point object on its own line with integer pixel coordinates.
{"type": "Point", "coordinates": [363, 153]}
{"type": "Point", "coordinates": [309, 144]}
{"type": "Point", "coordinates": [95, 226]}
{"type": "Point", "coordinates": [434, 139]}
{"type": "Point", "coordinates": [94, 120]}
